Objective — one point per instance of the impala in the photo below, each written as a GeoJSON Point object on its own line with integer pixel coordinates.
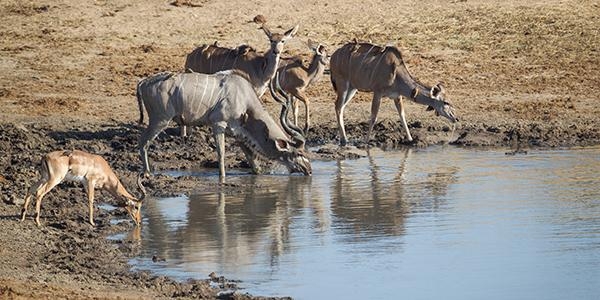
{"type": "Point", "coordinates": [90, 169]}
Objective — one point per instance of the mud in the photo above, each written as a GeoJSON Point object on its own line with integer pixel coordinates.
{"type": "Point", "coordinates": [519, 75]}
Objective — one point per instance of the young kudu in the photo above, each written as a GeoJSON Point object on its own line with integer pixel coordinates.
{"type": "Point", "coordinates": [381, 70]}
{"type": "Point", "coordinates": [294, 78]}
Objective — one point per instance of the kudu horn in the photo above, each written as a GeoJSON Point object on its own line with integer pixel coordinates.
{"type": "Point", "coordinates": [293, 130]}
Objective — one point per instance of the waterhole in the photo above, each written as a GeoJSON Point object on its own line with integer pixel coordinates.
{"type": "Point", "coordinates": [440, 222]}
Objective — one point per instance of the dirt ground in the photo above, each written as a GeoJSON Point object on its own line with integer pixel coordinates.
{"type": "Point", "coordinates": [520, 74]}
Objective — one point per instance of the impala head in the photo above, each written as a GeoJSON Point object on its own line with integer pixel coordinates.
{"type": "Point", "coordinates": [134, 206]}
{"type": "Point", "coordinates": [442, 107]}
{"type": "Point", "coordinates": [277, 39]}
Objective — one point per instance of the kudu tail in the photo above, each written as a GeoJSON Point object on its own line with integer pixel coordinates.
{"type": "Point", "coordinates": [138, 95]}
{"type": "Point", "coordinates": [334, 85]}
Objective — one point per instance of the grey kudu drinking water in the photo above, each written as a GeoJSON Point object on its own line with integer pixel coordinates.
{"type": "Point", "coordinates": [225, 101]}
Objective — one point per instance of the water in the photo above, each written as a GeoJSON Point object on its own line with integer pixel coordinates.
{"type": "Point", "coordinates": [445, 223]}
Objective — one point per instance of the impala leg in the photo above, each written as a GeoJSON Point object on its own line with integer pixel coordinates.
{"type": "Point", "coordinates": [90, 192]}
{"type": "Point", "coordinates": [149, 134]}
{"type": "Point", "coordinates": [40, 193]}
{"type": "Point", "coordinates": [342, 99]}
{"type": "Point", "coordinates": [400, 108]}
{"type": "Point", "coordinates": [32, 190]}
{"type": "Point", "coordinates": [307, 112]}
{"type": "Point", "coordinates": [374, 111]}
{"type": "Point", "coordinates": [24, 209]}
{"type": "Point", "coordinates": [220, 140]}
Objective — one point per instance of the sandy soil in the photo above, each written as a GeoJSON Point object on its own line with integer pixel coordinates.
{"type": "Point", "coordinates": [520, 74]}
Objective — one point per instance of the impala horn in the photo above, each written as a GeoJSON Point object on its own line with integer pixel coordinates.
{"type": "Point", "coordinates": [295, 132]}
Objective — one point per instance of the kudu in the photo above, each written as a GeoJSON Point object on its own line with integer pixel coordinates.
{"type": "Point", "coordinates": [259, 68]}
{"type": "Point", "coordinates": [227, 103]}
{"type": "Point", "coordinates": [294, 78]}
{"type": "Point", "coordinates": [92, 170]}
{"type": "Point", "coordinates": [381, 70]}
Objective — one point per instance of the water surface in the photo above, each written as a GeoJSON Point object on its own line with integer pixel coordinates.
{"type": "Point", "coordinates": [442, 222]}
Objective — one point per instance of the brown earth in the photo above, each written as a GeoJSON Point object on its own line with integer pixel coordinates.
{"type": "Point", "coordinates": [520, 74]}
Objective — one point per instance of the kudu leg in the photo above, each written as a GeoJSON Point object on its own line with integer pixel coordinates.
{"type": "Point", "coordinates": [149, 134]}
{"type": "Point", "coordinates": [400, 108]}
{"type": "Point", "coordinates": [342, 99]}
{"type": "Point", "coordinates": [183, 131]}
{"type": "Point", "coordinates": [374, 111]}
{"type": "Point", "coordinates": [300, 96]}
{"type": "Point", "coordinates": [219, 136]}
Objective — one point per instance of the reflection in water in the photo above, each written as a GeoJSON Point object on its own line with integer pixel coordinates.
{"type": "Point", "coordinates": [370, 206]}
{"type": "Point", "coordinates": [421, 223]}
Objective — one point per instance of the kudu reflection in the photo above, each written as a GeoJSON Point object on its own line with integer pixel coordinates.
{"type": "Point", "coordinates": [378, 204]}
{"type": "Point", "coordinates": [372, 204]}
{"type": "Point", "coordinates": [229, 228]}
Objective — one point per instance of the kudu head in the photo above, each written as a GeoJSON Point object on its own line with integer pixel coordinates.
{"type": "Point", "coordinates": [277, 39]}
{"type": "Point", "coordinates": [440, 105]}
{"type": "Point", "coordinates": [263, 136]}
{"type": "Point", "coordinates": [320, 52]}
{"type": "Point", "coordinates": [134, 206]}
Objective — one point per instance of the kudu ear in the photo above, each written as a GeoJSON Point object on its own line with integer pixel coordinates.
{"type": "Point", "coordinates": [282, 145]}
{"type": "Point", "coordinates": [243, 49]}
{"type": "Point", "coordinates": [321, 49]}
{"type": "Point", "coordinates": [266, 30]}
{"type": "Point", "coordinates": [437, 90]}
{"type": "Point", "coordinates": [291, 32]}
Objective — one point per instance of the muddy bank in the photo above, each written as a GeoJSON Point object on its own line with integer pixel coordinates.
{"type": "Point", "coordinates": [68, 257]}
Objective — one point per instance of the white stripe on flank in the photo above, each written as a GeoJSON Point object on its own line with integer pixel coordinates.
{"type": "Point", "coordinates": [215, 86]}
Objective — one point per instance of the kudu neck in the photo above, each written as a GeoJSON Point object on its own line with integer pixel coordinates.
{"type": "Point", "coordinates": [315, 69]}
{"type": "Point", "coordinates": [415, 90]}
{"type": "Point", "coordinates": [271, 62]}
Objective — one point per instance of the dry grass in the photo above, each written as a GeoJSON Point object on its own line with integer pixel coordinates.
{"type": "Point", "coordinates": [489, 55]}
